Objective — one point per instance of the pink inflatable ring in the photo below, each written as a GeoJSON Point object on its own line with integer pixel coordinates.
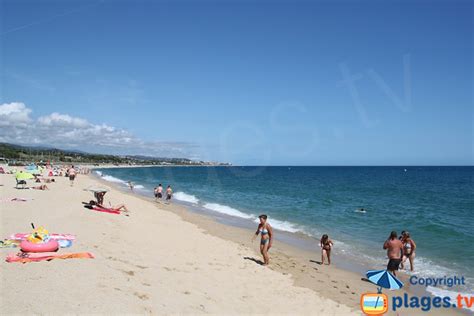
{"type": "Point", "coordinates": [51, 245]}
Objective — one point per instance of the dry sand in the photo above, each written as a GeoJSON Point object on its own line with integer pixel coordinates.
{"type": "Point", "coordinates": [161, 259]}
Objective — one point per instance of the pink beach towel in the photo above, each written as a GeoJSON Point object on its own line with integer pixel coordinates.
{"type": "Point", "coordinates": [25, 257]}
{"type": "Point", "coordinates": [23, 236]}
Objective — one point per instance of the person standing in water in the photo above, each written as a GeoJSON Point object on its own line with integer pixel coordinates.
{"type": "Point", "coordinates": [266, 241]}
{"type": "Point", "coordinates": [409, 247]}
{"type": "Point", "coordinates": [326, 244]}
{"type": "Point", "coordinates": [72, 174]}
{"type": "Point", "coordinates": [130, 185]}
{"type": "Point", "coordinates": [169, 193]}
{"type": "Point", "coordinates": [160, 192]}
{"type": "Point", "coordinates": [394, 249]}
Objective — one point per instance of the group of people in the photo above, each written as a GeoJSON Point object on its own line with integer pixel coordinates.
{"type": "Point", "coordinates": [265, 231]}
{"type": "Point", "coordinates": [158, 191]}
{"type": "Point", "coordinates": [399, 249]}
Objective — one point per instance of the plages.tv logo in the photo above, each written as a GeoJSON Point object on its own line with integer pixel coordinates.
{"type": "Point", "coordinates": [374, 303]}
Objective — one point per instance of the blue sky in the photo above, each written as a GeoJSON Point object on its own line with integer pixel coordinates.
{"type": "Point", "coordinates": [250, 82]}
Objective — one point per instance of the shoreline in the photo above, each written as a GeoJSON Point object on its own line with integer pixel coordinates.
{"type": "Point", "coordinates": [340, 281]}
{"type": "Point", "coordinates": [162, 259]}
{"type": "Point", "coordinates": [150, 262]}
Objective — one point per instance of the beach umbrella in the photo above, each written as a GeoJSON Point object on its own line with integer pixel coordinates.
{"type": "Point", "coordinates": [23, 175]}
{"type": "Point", "coordinates": [384, 279]}
{"type": "Point", "coordinates": [97, 189]}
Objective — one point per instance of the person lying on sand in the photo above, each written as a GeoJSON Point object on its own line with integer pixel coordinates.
{"type": "Point", "coordinates": [326, 244]}
{"type": "Point", "coordinates": [118, 207]}
{"type": "Point", "coordinates": [266, 233]}
{"type": "Point", "coordinates": [41, 187]}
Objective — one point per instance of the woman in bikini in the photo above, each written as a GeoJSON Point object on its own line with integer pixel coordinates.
{"type": "Point", "coordinates": [409, 247]}
{"type": "Point", "coordinates": [266, 233]}
{"type": "Point", "coordinates": [326, 244]}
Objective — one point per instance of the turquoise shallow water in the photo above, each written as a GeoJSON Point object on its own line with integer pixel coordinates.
{"type": "Point", "coordinates": [434, 203]}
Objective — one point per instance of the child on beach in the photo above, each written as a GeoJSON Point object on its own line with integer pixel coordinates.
{"type": "Point", "coordinates": [326, 244]}
{"type": "Point", "coordinates": [130, 185]}
{"type": "Point", "coordinates": [266, 233]}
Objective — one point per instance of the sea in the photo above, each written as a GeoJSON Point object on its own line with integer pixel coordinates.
{"type": "Point", "coordinates": [357, 207]}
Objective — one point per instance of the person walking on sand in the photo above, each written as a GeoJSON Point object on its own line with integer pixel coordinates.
{"type": "Point", "coordinates": [326, 244]}
{"type": "Point", "coordinates": [394, 249]}
{"type": "Point", "coordinates": [409, 247]}
{"type": "Point", "coordinates": [266, 241]}
{"type": "Point", "coordinates": [169, 193]}
{"type": "Point", "coordinates": [72, 174]}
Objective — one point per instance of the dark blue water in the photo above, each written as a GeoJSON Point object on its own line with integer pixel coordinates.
{"type": "Point", "coordinates": [435, 204]}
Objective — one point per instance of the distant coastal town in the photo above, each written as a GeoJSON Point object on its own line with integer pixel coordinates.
{"type": "Point", "coordinates": [17, 155]}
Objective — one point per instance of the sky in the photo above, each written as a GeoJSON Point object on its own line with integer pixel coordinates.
{"type": "Point", "coordinates": [246, 82]}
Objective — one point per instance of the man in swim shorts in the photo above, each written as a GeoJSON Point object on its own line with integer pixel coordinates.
{"type": "Point", "coordinates": [159, 192]}
{"type": "Point", "coordinates": [169, 193]}
{"type": "Point", "coordinates": [72, 175]}
{"type": "Point", "coordinates": [394, 249]}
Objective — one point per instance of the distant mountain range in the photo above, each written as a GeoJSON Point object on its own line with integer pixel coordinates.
{"type": "Point", "coordinates": [18, 154]}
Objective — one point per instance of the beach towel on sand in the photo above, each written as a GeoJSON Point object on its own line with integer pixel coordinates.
{"type": "Point", "coordinates": [24, 257]}
{"type": "Point", "coordinates": [23, 236]}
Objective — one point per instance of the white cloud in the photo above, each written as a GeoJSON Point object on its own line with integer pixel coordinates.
{"type": "Point", "coordinates": [14, 114]}
{"type": "Point", "coordinates": [56, 119]}
{"type": "Point", "coordinates": [68, 132]}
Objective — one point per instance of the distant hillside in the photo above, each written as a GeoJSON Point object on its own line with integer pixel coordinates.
{"type": "Point", "coordinates": [18, 155]}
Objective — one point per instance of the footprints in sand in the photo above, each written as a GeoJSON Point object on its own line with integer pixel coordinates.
{"type": "Point", "coordinates": [130, 273]}
{"type": "Point", "coordinates": [137, 286]}
{"type": "Point", "coordinates": [143, 297]}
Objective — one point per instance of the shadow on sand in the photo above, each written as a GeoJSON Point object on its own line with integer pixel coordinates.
{"type": "Point", "coordinates": [260, 262]}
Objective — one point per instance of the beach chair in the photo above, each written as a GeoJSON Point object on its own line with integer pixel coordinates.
{"type": "Point", "coordinates": [20, 182]}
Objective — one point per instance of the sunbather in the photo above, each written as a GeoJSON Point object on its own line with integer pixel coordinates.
{"type": "Point", "coordinates": [41, 187]}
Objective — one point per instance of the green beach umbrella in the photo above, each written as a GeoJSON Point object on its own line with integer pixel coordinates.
{"type": "Point", "coordinates": [23, 175]}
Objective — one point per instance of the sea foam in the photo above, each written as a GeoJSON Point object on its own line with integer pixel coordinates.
{"type": "Point", "coordinates": [113, 179]}
{"type": "Point", "coordinates": [224, 209]}
{"type": "Point", "coordinates": [283, 225]}
{"type": "Point", "coordinates": [181, 196]}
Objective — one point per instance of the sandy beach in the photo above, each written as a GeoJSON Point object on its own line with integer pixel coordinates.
{"type": "Point", "coordinates": [161, 259]}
